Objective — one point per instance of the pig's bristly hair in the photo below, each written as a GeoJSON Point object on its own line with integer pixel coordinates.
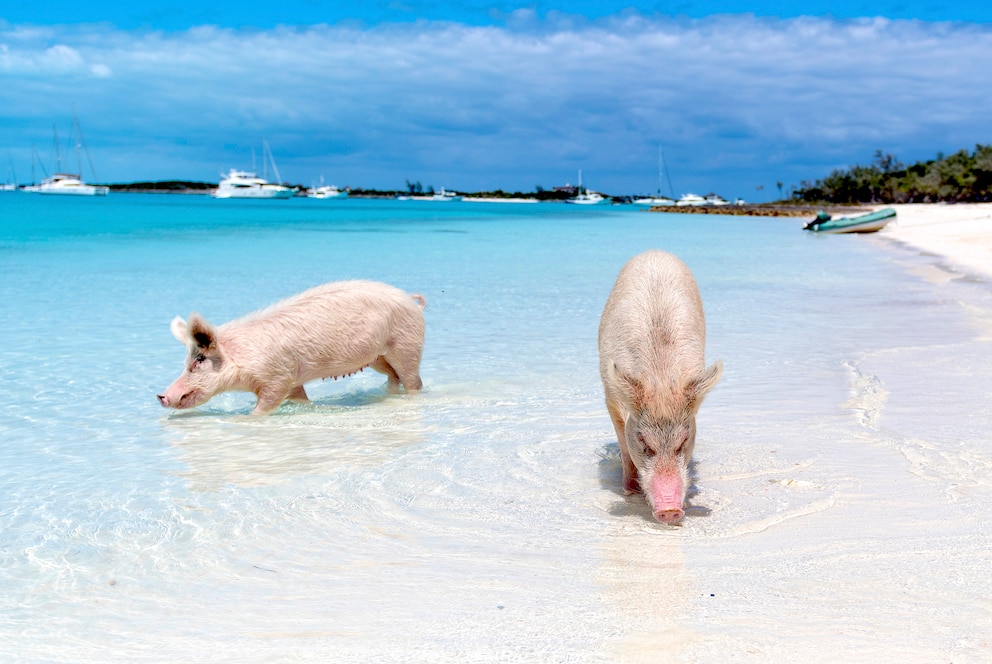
{"type": "Point", "coordinates": [667, 400]}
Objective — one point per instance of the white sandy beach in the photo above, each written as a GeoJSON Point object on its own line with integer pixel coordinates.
{"type": "Point", "coordinates": [962, 233]}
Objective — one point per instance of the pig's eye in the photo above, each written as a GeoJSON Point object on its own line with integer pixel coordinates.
{"type": "Point", "coordinates": [197, 362]}
{"type": "Point", "coordinates": [644, 447]}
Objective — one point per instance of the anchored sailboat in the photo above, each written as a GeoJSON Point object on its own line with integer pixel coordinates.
{"type": "Point", "coordinates": [659, 199]}
{"type": "Point", "coordinates": [64, 183]}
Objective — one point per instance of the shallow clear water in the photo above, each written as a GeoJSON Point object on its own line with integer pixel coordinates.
{"type": "Point", "coordinates": [480, 520]}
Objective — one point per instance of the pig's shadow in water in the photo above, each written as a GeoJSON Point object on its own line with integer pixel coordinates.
{"type": "Point", "coordinates": [611, 478]}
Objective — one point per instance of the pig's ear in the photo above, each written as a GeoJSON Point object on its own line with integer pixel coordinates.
{"type": "Point", "coordinates": [634, 389]}
{"type": "Point", "coordinates": [203, 333]}
{"type": "Point", "coordinates": [179, 331]}
{"type": "Point", "coordinates": [699, 386]}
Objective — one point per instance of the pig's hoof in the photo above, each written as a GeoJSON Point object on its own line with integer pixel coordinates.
{"type": "Point", "coordinates": [669, 516]}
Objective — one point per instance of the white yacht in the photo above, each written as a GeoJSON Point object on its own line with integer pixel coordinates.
{"type": "Point", "coordinates": [326, 191]}
{"type": "Point", "coordinates": [584, 196]}
{"type": "Point", "coordinates": [67, 184]}
{"type": "Point", "coordinates": [442, 195]}
{"type": "Point", "coordinates": [245, 184]}
{"type": "Point", "coordinates": [692, 200]}
{"type": "Point", "coordinates": [657, 201]}
{"type": "Point", "coordinates": [445, 195]}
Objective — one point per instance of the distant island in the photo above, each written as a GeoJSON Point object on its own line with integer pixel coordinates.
{"type": "Point", "coordinates": [958, 178]}
{"type": "Point", "coordinates": [415, 189]}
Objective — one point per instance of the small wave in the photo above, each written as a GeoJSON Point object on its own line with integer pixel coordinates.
{"type": "Point", "coordinates": [868, 399]}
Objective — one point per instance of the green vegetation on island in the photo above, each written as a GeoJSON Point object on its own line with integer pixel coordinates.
{"type": "Point", "coordinates": [958, 178]}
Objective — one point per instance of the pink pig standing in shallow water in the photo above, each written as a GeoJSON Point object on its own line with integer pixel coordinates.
{"type": "Point", "coordinates": [329, 331]}
{"type": "Point", "coordinates": [651, 358]}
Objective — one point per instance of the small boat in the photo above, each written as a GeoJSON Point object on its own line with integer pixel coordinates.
{"type": "Point", "coordinates": [656, 201]}
{"type": "Point", "coordinates": [862, 223]}
{"type": "Point", "coordinates": [442, 195]}
{"type": "Point", "coordinates": [584, 196]}
{"type": "Point", "coordinates": [445, 195]}
{"type": "Point", "coordinates": [692, 200]}
{"type": "Point", "coordinates": [326, 191]}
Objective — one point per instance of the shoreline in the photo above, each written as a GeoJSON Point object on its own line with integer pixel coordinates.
{"type": "Point", "coordinates": [961, 233]}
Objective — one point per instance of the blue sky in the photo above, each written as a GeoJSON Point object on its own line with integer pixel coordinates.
{"type": "Point", "coordinates": [481, 95]}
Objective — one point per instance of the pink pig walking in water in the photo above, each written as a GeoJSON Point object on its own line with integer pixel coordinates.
{"type": "Point", "coordinates": [329, 331]}
{"type": "Point", "coordinates": [652, 337]}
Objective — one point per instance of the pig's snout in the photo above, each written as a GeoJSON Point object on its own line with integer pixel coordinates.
{"type": "Point", "coordinates": [184, 401]}
{"type": "Point", "coordinates": [667, 491]}
{"type": "Point", "coordinates": [669, 516]}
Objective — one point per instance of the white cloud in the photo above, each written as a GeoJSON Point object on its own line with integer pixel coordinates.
{"type": "Point", "coordinates": [737, 100]}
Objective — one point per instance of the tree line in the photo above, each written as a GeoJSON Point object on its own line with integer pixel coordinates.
{"type": "Point", "coordinates": [961, 177]}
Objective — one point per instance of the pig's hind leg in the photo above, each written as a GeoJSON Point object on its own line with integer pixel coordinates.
{"type": "Point", "coordinates": [382, 366]}
{"type": "Point", "coordinates": [399, 372]}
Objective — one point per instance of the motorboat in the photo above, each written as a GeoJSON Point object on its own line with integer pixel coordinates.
{"type": "Point", "coordinates": [445, 195]}
{"type": "Point", "coordinates": [656, 201]}
{"type": "Point", "coordinates": [584, 196]}
{"type": "Point", "coordinates": [442, 195]}
{"type": "Point", "coordinates": [326, 191]}
{"type": "Point", "coordinates": [245, 184]}
{"type": "Point", "coordinates": [692, 200]}
{"type": "Point", "coordinates": [862, 223]}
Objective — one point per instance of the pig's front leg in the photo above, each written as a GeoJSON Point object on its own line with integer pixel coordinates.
{"type": "Point", "coordinates": [631, 484]}
{"type": "Point", "coordinates": [270, 398]}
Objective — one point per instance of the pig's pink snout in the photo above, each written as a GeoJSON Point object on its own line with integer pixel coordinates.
{"type": "Point", "coordinates": [164, 400]}
{"type": "Point", "coordinates": [669, 516]}
{"type": "Point", "coordinates": [667, 493]}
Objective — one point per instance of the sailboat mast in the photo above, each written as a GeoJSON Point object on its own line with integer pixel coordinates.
{"type": "Point", "coordinates": [267, 150]}
{"type": "Point", "coordinates": [58, 148]}
{"type": "Point", "coordinates": [663, 170]}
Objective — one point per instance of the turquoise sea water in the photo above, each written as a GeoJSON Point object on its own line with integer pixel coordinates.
{"type": "Point", "coordinates": [482, 519]}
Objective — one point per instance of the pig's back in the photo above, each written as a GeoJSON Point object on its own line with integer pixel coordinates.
{"type": "Point", "coordinates": [653, 322]}
{"type": "Point", "coordinates": [348, 321]}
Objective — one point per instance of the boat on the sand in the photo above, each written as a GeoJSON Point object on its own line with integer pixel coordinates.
{"type": "Point", "coordinates": [862, 223]}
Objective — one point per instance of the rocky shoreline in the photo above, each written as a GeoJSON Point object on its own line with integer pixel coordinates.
{"type": "Point", "coordinates": [764, 210]}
